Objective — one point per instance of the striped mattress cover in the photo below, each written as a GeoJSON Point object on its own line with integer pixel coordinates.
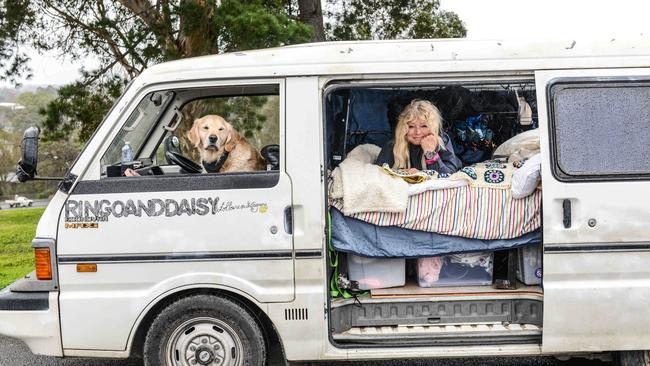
{"type": "Point", "coordinates": [471, 212]}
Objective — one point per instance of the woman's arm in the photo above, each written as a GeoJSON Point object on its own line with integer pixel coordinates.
{"type": "Point", "coordinates": [447, 162]}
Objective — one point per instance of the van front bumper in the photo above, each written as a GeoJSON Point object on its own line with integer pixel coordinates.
{"type": "Point", "coordinates": [32, 317]}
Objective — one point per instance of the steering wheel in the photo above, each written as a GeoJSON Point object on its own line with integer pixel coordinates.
{"type": "Point", "coordinates": [185, 163]}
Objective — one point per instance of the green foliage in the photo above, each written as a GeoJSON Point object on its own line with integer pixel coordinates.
{"type": "Point", "coordinates": [56, 157]}
{"type": "Point", "coordinates": [16, 21]}
{"type": "Point", "coordinates": [17, 229]}
{"type": "Point", "coordinates": [9, 154]}
{"type": "Point", "coordinates": [20, 119]}
{"type": "Point", "coordinates": [392, 19]}
{"type": "Point", "coordinates": [37, 99]}
{"type": "Point", "coordinates": [79, 109]}
{"type": "Point", "coordinates": [127, 36]}
{"type": "Point", "coordinates": [250, 25]}
{"type": "Point", "coordinates": [244, 114]}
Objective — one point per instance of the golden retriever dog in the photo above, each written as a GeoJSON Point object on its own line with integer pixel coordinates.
{"type": "Point", "coordinates": [222, 148]}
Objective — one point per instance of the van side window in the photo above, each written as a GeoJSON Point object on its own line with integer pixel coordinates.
{"type": "Point", "coordinates": [600, 130]}
{"type": "Point", "coordinates": [220, 130]}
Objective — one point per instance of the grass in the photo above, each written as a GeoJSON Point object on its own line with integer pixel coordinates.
{"type": "Point", "coordinates": [17, 228]}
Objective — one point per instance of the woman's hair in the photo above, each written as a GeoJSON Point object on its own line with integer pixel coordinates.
{"type": "Point", "coordinates": [424, 110]}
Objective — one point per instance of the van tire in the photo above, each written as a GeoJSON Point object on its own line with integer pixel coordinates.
{"type": "Point", "coordinates": [208, 327]}
{"type": "Point", "coordinates": [634, 358]}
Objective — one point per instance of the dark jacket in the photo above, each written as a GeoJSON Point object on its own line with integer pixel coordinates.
{"type": "Point", "coordinates": [448, 162]}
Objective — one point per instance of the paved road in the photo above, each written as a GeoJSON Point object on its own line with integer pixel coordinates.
{"type": "Point", "coordinates": [15, 353]}
{"type": "Point", "coordinates": [37, 203]}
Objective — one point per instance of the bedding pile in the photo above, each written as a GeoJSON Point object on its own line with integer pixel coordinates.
{"type": "Point", "coordinates": [476, 202]}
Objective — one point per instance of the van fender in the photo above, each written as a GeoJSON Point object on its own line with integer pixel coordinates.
{"type": "Point", "coordinates": [188, 282]}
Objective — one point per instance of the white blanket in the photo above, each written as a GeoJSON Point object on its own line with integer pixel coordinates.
{"type": "Point", "coordinates": [433, 184]}
{"type": "Point", "coordinates": [364, 187]}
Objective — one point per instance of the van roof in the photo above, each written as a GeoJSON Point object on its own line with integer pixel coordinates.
{"type": "Point", "coordinates": [407, 56]}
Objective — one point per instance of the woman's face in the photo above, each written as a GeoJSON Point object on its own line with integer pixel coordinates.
{"type": "Point", "coordinates": [417, 129]}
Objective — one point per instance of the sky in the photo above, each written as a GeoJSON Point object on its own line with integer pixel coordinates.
{"type": "Point", "coordinates": [484, 19]}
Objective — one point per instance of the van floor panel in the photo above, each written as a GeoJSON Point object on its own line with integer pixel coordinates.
{"type": "Point", "coordinates": [411, 289]}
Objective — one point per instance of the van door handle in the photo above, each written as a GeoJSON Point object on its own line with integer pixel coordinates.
{"type": "Point", "coordinates": [288, 219]}
{"type": "Point", "coordinates": [566, 208]}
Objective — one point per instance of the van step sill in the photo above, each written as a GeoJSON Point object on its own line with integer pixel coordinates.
{"type": "Point", "coordinates": [464, 332]}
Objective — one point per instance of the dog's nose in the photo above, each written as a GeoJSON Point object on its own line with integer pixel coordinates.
{"type": "Point", "coordinates": [212, 139]}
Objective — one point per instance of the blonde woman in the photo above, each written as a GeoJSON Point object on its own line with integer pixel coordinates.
{"type": "Point", "coordinates": [419, 142]}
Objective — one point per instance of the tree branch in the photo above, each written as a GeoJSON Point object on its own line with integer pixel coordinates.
{"type": "Point", "coordinates": [125, 42]}
{"type": "Point", "coordinates": [98, 74]}
{"type": "Point", "coordinates": [158, 23]}
{"type": "Point", "coordinates": [144, 10]}
{"type": "Point", "coordinates": [119, 55]}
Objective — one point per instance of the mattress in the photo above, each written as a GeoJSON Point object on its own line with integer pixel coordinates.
{"type": "Point", "coordinates": [358, 237]}
{"type": "Point", "coordinates": [467, 211]}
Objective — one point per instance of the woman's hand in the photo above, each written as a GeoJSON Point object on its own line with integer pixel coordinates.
{"type": "Point", "coordinates": [131, 173]}
{"type": "Point", "coordinates": [412, 170]}
{"type": "Point", "coordinates": [429, 143]}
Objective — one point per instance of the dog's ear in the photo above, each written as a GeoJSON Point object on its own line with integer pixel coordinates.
{"type": "Point", "coordinates": [232, 139]}
{"type": "Point", "coordinates": [193, 134]}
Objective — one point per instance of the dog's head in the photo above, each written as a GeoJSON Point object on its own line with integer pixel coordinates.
{"type": "Point", "coordinates": [211, 133]}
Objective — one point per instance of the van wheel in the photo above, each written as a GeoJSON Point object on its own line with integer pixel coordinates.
{"type": "Point", "coordinates": [204, 330]}
{"type": "Point", "coordinates": [634, 358]}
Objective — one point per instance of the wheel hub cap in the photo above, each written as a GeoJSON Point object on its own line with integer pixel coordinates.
{"type": "Point", "coordinates": [204, 356]}
{"type": "Point", "coordinates": [204, 342]}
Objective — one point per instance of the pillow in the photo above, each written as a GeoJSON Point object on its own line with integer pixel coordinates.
{"type": "Point", "coordinates": [526, 178]}
{"type": "Point", "coordinates": [519, 147]}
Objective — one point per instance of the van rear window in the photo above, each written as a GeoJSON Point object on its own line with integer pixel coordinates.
{"type": "Point", "coordinates": [600, 129]}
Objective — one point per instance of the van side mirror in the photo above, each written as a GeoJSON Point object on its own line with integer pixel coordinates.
{"type": "Point", "coordinates": [26, 169]}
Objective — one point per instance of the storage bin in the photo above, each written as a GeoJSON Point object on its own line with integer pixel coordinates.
{"type": "Point", "coordinates": [529, 267]}
{"type": "Point", "coordinates": [372, 273]}
{"type": "Point", "coordinates": [472, 269]}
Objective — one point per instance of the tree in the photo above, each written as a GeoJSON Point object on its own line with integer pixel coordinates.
{"type": "Point", "coordinates": [392, 19]}
{"type": "Point", "coordinates": [311, 13]}
{"type": "Point", "coordinates": [80, 107]}
{"type": "Point", "coordinates": [16, 18]}
{"type": "Point", "coordinates": [33, 102]}
{"type": "Point", "coordinates": [126, 36]}
{"type": "Point", "coordinates": [129, 35]}
{"type": "Point", "coordinates": [9, 154]}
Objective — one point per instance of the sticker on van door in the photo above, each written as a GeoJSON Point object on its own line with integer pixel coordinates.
{"type": "Point", "coordinates": [101, 210]}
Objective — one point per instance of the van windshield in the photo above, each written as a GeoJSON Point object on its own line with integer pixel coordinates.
{"type": "Point", "coordinates": [138, 126]}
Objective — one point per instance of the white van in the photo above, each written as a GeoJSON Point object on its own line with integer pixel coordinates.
{"type": "Point", "coordinates": [184, 267]}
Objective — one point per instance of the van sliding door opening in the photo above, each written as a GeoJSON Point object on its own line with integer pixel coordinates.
{"type": "Point", "coordinates": [460, 249]}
